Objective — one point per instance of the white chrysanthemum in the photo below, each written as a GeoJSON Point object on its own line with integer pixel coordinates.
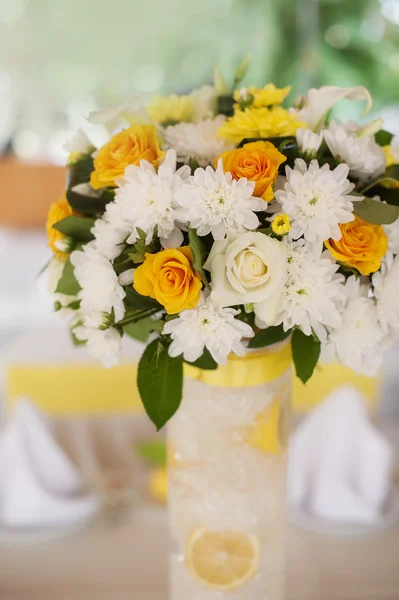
{"type": "Point", "coordinates": [146, 199]}
{"type": "Point", "coordinates": [308, 142]}
{"type": "Point", "coordinates": [357, 342]}
{"type": "Point", "coordinates": [392, 233]}
{"type": "Point", "coordinates": [104, 345]}
{"type": "Point", "coordinates": [79, 142]}
{"type": "Point", "coordinates": [212, 201]}
{"type": "Point", "coordinates": [207, 326]}
{"type": "Point", "coordinates": [395, 148]}
{"type": "Point", "coordinates": [317, 200]}
{"type": "Point", "coordinates": [386, 290]}
{"type": "Point", "coordinates": [364, 157]}
{"type": "Point", "coordinates": [199, 140]}
{"type": "Point", "coordinates": [100, 291]}
{"type": "Point", "coordinates": [312, 292]}
{"type": "Point", "coordinates": [204, 103]}
{"type": "Point", "coordinates": [110, 235]}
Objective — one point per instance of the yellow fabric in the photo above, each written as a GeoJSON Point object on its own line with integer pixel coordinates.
{"type": "Point", "coordinates": [327, 378]}
{"type": "Point", "coordinates": [67, 389]}
{"type": "Point", "coordinates": [246, 371]}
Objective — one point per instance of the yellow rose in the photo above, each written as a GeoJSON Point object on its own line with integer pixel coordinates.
{"type": "Point", "coordinates": [260, 122]}
{"type": "Point", "coordinates": [171, 110]}
{"type": "Point", "coordinates": [361, 246]}
{"type": "Point", "coordinates": [267, 96]}
{"type": "Point", "coordinates": [169, 277]}
{"type": "Point", "coordinates": [58, 210]}
{"type": "Point", "coordinates": [257, 161]}
{"type": "Point", "coordinates": [127, 147]}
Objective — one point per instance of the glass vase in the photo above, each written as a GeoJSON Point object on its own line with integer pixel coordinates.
{"type": "Point", "coordinates": [227, 468]}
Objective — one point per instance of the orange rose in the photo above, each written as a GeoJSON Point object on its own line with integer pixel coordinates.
{"type": "Point", "coordinates": [169, 277]}
{"type": "Point", "coordinates": [361, 246]}
{"type": "Point", "coordinates": [57, 212]}
{"type": "Point", "coordinates": [128, 147]}
{"type": "Point", "coordinates": [257, 161]}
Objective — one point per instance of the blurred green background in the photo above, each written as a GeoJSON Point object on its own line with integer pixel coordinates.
{"type": "Point", "coordinates": [59, 59]}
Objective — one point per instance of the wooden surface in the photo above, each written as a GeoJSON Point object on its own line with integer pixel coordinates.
{"type": "Point", "coordinates": [127, 560]}
{"type": "Point", "coordinates": [27, 190]}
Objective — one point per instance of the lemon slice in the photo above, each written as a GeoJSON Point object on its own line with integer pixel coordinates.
{"type": "Point", "coordinates": [264, 435]}
{"type": "Point", "coordinates": [222, 560]}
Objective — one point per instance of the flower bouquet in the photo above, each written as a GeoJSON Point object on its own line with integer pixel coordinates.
{"type": "Point", "coordinates": [233, 229]}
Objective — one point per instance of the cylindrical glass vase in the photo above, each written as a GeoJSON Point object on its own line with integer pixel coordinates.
{"type": "Point", "coordinates": [227, 480]}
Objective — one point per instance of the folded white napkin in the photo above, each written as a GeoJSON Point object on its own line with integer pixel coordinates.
{"type": "Point", "coordinates": [340, 464]}
{"type": "Point", "coordinates": [39, 485]}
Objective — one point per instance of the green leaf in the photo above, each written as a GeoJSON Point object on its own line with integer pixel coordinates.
{"type": "Point", "coordinates": [383, 138]}
{"type": "Point", "coordinates": [193, 164]}
{"type": "Point", "coordinates": [75, 340]}
{"type": "Point", "coordinates": [376, 212]}
{"type": "Point", "coordinates": [80, 171]}
{"type": "Point", "coordinates": [77, 227]}
{"type": "Point", "coordinates": [87, 201]}
{"type": "Point", "coordinates": [269, 336]}
{"type": "Point", "coordinates": [305, 353]}
{"type": "Point", "coordinates": [241, 70]}
{"type": "Point", "coordinates": [206, 362]}
{"type": "Point", "coordinates": [135, 300]}
{"type": "Point", "coordinates": [140, 247]}
{"type": "Point", "coordinates": [154, 452]}
{"type": "Point", "coordinates": [68, 284]}
{"type": "Point", "coordinates": [389, 195]}
{"type": "Point", "coordinates": [226, 105]}
{"type": "Point", "coordinates": [199, 252]}
{"type": "Point", "coordinates": [389, 178]}
{"type": "Point", "coordinates": [160, 383]}
{"type": "Point", "coordinates": [140, 330]}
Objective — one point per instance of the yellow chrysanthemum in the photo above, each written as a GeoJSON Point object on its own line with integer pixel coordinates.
{"type": "Point", "coordinates": [267, 96]}
{"type": "Point", "coordinates": [260, 123]}
{"type": "Point", "coordinates": [281, 224]}
{"type": "Point", "coordinates": [58, 210]}
{"type": "Point", "coordinates": [172, 109]}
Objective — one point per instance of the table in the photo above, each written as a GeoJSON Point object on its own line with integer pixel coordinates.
{"type": "Point", "coordinates": [127, 560]}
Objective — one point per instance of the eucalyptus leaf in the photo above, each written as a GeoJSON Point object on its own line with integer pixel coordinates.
{"type": "Point", "coordinates": [85, 200]}
{"type": "Point", "coordinates": [305, 353]}
{"type": "Point", "coordinates": [376, 212]}
{"type": "Point", "coordinates": [160, 383]}
{"type": "Point", "coordinates": [68, 284]}
{"type": "Point", "coordinates": [77, 227]}
{"type": "Point", "coordinates": [269, 336]}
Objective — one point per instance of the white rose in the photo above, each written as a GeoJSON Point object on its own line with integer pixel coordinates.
{"type": "Point", "coordinates": [248, 269]}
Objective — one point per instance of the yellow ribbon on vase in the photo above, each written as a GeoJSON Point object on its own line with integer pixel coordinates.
{"type": "Point", "coordinates": [255, 368]}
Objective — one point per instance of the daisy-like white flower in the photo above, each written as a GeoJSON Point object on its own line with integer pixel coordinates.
{"type": "Point", "coordinates": [357, 342]}
{"type": "Point", "coordinates": [146, 199]}
{"type": "Point", "coordinates": [392, 233]}
{"type": "Point", "coordinates": [312, 292]}
{"type": "Point", "coordinates": [197, 140]}
{"type": "Point", "coordinates": [100, 291]}
{"type": "Point", "coordinates": [212, 201]}
{"type": "Point", "coordinates": [207, 326]}
{"type": "Point", "coordinates": [103, 344]}
{"type": "Point", "coordinates": [317, 200]}
{"type": "Point", "coordinates": [364, 157]}
{"type": "Point", "coordinates": [386, 290]}
{"type": "Point", "coordinates": [308, 142]}
{"type": "Point", "coordinates": [110, 234]}
{"type": "Point", "coordinates": [79, 142]}
{"type": "Point", "coordinates": [205, 101]}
